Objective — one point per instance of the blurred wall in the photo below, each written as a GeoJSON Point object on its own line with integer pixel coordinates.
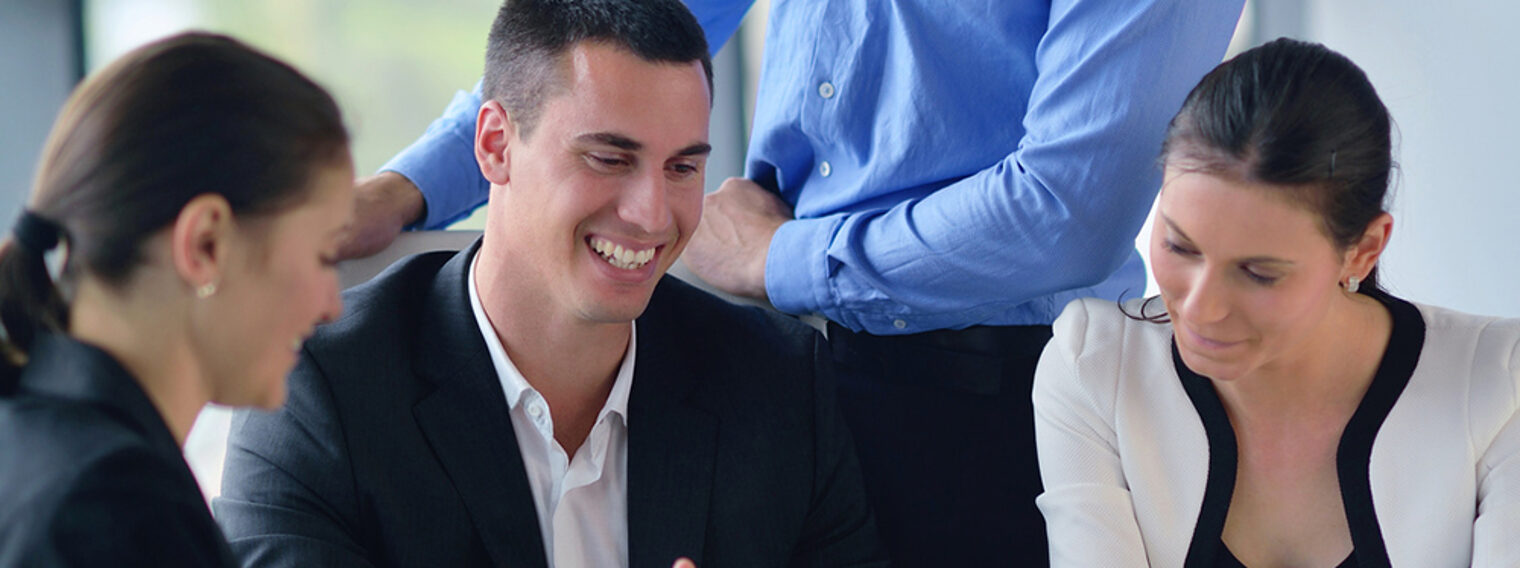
{"type": "Point", "coordinates": [40, 61]}
{"type": "Point", "coordinates": [1448, 73]}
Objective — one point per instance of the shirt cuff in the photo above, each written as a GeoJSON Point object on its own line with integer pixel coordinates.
{"type": "Point", "coordinates": [797, 266]}
{"type": "Point", "coordinates": [442, 165]}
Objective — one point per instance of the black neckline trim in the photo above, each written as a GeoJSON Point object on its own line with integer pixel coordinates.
{"type": "Point", "coordinates": [1353, 454]}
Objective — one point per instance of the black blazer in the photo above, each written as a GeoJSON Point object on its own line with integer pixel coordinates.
{"type": "Point", "coordinates": [396, 447]}
{"type": "Point", "coordinates": [89, 473]}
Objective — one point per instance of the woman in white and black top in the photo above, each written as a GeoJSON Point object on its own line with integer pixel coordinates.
{"type": "Point", "coordinates": [1276, 407]}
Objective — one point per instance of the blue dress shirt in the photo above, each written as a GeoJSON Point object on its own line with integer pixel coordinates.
{"type": "Point", "coordinates": [950, 162]}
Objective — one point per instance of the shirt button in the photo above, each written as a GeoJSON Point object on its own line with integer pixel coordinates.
{"type": "Point", "coordinates": [535, 410]}
{"type": "Point", "coordinates": [826, 90]}
{"type": "Point", "coordinates": [899, 324]}
{"type": "Point", "coordinates": [824, 169]}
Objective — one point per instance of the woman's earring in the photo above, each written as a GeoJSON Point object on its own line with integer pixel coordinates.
{"type": "Point", "coordinates": [205, 290]}
{"type": "Point", "coordinates": [1352, 283]}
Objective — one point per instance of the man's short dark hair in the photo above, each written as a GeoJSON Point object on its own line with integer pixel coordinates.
{"type": "Point", "coordinates": [530, 38]}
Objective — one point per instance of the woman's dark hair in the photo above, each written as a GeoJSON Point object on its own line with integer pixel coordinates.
{"type": "Point", "coordinates": [1298, 117]}
{"type": "Point", "coordinates": [189, 115]}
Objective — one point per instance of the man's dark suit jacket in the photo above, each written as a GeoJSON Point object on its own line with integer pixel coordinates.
{"type": "Point", "coordinates": [89, 473]}
{"type": "Point", "coordinates": [396, 447]}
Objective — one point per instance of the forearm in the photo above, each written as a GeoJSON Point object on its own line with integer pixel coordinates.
{"type": "Point", "coordinates": [383, 204]}
{"type": "Point", "coordinates": [964, 254]}
{"type": "Point", "coordinates": [441, 165]}
{"type": "Point", "coordinates": [1057, 213]}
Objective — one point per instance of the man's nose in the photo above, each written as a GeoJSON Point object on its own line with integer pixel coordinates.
{"type": "Point", "coordinates": [644, 203]}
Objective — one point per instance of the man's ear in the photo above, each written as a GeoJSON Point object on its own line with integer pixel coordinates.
{"type": "Point", "coordinates": [1364, 254]}
{"type": "Point", "coordinates": [494, 132]}
{"type": "Point", "coordinates": [200, 239]}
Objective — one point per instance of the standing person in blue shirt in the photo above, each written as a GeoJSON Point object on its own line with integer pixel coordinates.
{"type": "Point", "coordinates": [936, 179]}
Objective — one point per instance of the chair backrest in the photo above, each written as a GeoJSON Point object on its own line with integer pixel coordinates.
{"type": "Point", "coordinates": [356, 271]}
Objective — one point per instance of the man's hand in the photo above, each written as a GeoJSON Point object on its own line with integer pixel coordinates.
{"type": "Point", "coordinates": [383, 204]}
{"type": "Point", "coordinates": [729, 248]}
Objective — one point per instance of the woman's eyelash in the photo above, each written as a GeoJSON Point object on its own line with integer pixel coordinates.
{"type": "Point", "coordinates": [1259, 279]}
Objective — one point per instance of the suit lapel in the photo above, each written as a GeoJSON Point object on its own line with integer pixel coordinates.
{"type": "Point", "coordinates": [671, 444]}
{"type": "Point", "coordinates": [467, 424]}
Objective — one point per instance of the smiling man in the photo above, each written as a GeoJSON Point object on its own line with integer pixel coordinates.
{"type": "Point", "coordinates": [548, 397]}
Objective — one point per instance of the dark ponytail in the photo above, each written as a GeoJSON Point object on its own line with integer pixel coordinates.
{"type": "Point", "coordinates": [28, 298]}
{"type": "Point", "coordinates": [188, 115]}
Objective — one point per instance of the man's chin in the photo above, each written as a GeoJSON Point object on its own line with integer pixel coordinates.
{"type": "Point", "coordinates": [622, 308]}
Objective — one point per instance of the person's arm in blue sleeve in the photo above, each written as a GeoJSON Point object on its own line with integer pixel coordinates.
{"type": "Point", "coordinates": [1059, 213]}
{"type": "Point", "coordinates": [719, 19]}
{"type": "Point", "coordinates": [441, 163]}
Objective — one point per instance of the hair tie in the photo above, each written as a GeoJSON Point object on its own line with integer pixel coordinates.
{"type": "Point", "coordinates": [35, 232]}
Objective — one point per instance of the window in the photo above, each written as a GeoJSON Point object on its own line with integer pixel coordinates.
{"type": "Point", "coordinates": [392, 65]}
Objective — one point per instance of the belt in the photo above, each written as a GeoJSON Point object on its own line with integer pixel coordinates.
{"type": "Point", "coordinates": [973, 360]}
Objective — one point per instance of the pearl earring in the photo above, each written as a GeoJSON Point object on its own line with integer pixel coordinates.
{"type": "Point", "coordinates": [1352, 284]}
{"type": "Point", "coordinates": [205, 290]}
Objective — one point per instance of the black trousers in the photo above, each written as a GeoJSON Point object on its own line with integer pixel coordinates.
{"type": "Point", "coordinates": [945, 431]}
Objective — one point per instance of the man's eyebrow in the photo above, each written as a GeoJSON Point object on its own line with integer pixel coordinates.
{"type": "Point", "coordinates": [699, 149]}
{"type": "Point", "coordinates": [611, 139]}
{"type": "Point", "coordinates": [625, 143]}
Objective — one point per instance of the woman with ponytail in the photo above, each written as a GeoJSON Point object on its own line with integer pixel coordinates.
{"type": "Point", "coordinates": [177, 247]}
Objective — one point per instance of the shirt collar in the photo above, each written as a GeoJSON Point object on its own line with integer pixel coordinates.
{"type": "Point", "coordinates": [513, 384]}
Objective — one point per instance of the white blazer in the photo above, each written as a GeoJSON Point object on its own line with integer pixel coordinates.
{"type": "Point", "coordinates": [1124, 434]}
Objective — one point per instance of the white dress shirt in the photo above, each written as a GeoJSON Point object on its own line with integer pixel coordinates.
{"type": "Point", "coordinates": [581, 501]}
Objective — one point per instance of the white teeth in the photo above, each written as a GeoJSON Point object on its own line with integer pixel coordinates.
{"type": "Point", "coordinates": [616, 255]}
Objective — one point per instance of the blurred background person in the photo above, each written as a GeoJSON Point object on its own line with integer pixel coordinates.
{"type": "Point", "coordinates": [177, 248]}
